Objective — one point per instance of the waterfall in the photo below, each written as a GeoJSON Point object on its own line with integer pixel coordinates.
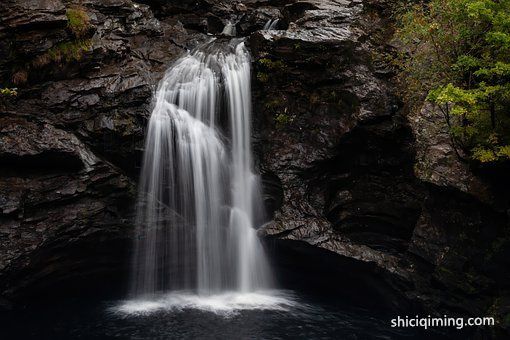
{"type": "Point", "coordinates": [199, 198]}
{"type": "Point", "coordinates": [271, 24]}
{"type": "Point", "coordinates": [229, 29]}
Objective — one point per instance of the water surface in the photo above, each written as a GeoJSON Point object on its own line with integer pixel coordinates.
{"type": "Point", "coordinates": [181, 315]}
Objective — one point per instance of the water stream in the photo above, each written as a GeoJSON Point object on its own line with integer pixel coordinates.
{"type": "Point", "coordinates": [271, 24]}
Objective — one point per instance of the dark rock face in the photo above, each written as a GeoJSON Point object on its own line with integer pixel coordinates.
{"type": "Point", "coordinates": [331, 135]}
{"type": "Point", "coordinates": [55, 194]}
{"type": "Point", "coordinates": [347, 172]}
{"type": "Point", "coordinates": [71, 140]}
{"type": "Point", "coordinates": [358, 175]}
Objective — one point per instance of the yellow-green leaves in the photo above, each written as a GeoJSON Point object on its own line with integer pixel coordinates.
{"type": "Point", "coordinates": [8, 92]}
{"type": "Point", "coordinates": [458, 57]}
{"type": "Point", "coordinates": [487, 155]}
{"type": "Point", "coordinates": [479, 10]}
{"type": "Point", "coordinates": [452, 94]}
{"type": "Point", "coordinates": [498, 69]}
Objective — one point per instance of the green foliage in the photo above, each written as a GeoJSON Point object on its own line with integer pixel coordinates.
{"type": "Point", "coordinates": [73, 50]}
{"type": "Point", "coordinates": [262, 77]}
{"type": "Point", "coordinates": [8, 92]}
{"type": "Point", "coordinates": [273, 104]}
{"type": "Point", "coordinates": [272, 65]}
{"type": "Point", "coordinates": [278, 106]}
{"type": "Point", "coordinates": [60, 54]}
{"type": "Point", "coordinates": [70, 51]}
{"type": "Point", "coordinates": [283, 119]}
{"type": "Point", "coordinates": [269, 68]}
{"type": "Point", "coordinates": [78, 21]}
{"type": "Point", "coordinates": [457, 55]}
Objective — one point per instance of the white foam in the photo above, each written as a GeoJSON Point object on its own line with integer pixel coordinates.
{"type": "Point", "coordinates": [225, 304]}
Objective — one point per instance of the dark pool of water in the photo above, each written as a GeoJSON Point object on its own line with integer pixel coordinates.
{"type": "Point", "coordinates": [306, 318]}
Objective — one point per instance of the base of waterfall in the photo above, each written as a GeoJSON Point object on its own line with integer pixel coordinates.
{"type": "Point", "coordinates": [280, 314]}
{"type": "Point", "coordinates": [225, 304]}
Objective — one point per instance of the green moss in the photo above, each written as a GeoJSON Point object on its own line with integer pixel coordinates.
{"type": "Point", "coordinates": [273, 104]}
{"type": "Point", "coordinates": [262, 77]}
{"type": "Point", "coordinates": [8, 92]}
{"type": "Point", "coordinates": [383, 58]}
{"type": "Point", "coordinates": [70, 51]}
{"type": "Point", "coordinates": [283, 119]}
{"type": "Point", "coordinates": [78, 21]}
{"type": "Point", "coordinates": [269, 64]}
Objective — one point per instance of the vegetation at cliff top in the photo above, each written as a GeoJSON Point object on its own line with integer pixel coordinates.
{"type": "Point", "coordinates": [457, 55]}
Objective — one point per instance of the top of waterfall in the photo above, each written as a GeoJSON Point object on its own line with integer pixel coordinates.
{"type": "Point", "coordinates": [229, 29]}
{"type": "Point", "coordinates": [218, 45]}
{"type": "Point", "coordinates": [271, 24]}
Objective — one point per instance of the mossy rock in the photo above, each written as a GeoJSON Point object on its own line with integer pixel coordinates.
{"type": "Point", "coordinates": [273, 65]}
{"type": "Point", "coordinates": [70, 51]}
{"type": "Point", "coordinates": [78, 21]}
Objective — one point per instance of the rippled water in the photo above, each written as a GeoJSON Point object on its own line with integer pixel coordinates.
{"type": "Point", "coordinates": [260, 315]}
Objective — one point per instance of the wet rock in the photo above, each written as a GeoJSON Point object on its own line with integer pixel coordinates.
{"type": "Point", "coordinates": [61, 194]}
{"type": "Point", "coordinates": [257, 18]}
{"type": "Point", "coordinates": [22, 141]}
{"type": "Point", "coordinates": [104, 97]}
{"type": "Point", "coordinates": [358, 176]}
{"type": "Point", "coordinates": [27, 15]}
{"type": "Point", "coordinates": [329, 131]}
{"type": "Point", "coordinates": [321, 89]}
{"type": "Point", "coordinates": [54, 192]}
{"type": "Point", "coordinates": [438, 161]}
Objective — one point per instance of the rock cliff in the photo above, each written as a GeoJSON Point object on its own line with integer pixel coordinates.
{"type": "Point", "coordinates": [347, 168]}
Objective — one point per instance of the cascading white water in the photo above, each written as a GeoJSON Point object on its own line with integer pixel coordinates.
{"type": "Point", "coordinates": [199, 198]}
{"type": "Point", "coordinates": [271, 24]}
{"type": "Point", "coordinates": [229, 29]}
